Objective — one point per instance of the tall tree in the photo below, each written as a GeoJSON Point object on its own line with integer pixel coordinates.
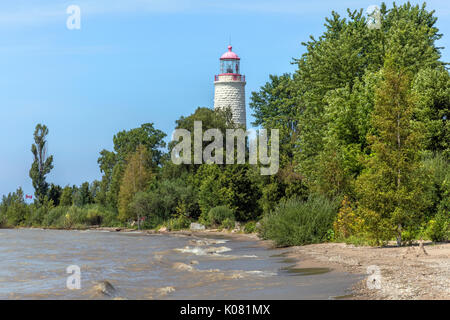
{"type": "Point", "coordinates": [341, 58]}
{"type": "Point", "coordinates": [136, 178]}
{"type": "Point", "coordinates": [276, 106]}
{"type": "Point", "coordinates": [66, 196]}
{"type": "Point", "coordinates": [42, 164]}
{"type": "Point", "coordinates": [392, 186]}
{"type": "Point", "coordinates": [112, 163]}
{"type": "Point", "coordinates": [54, 194]}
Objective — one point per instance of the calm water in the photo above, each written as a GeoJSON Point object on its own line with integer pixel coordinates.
{"type": "Point", "coordinates": [33, 266]}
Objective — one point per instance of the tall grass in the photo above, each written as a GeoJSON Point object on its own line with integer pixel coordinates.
{"type": "Point", "coordinates": [295, 222]}
{"type": "Point", "coordinates": [80, 217]}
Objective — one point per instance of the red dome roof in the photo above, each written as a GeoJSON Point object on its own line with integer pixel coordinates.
{"type": "Point", "coordinates": [230, 55]}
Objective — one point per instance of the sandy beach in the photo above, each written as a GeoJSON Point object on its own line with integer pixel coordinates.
{"type": "Point", "coordinates": [405, 272]}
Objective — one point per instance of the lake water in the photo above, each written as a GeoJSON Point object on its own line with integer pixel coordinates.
{"type": "Point", "coordinates": [140, 266]}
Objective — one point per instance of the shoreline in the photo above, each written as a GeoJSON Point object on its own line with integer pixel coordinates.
{"type": "Point", "coordinates": [406, 273]}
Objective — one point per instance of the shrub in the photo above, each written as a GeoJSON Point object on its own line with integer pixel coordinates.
{"type": "Point", "coordinates": [348, 222]}
{"type": "Point", "coordinates": [217, 215]}
{"type": "Point", "coordinates": [171, 196]}
{"type": "Point", "coordinates": [295, 222]}
{"type": "Point", "coordinates": [54, 217]}
{"type": "Point", "coordinates": [109, 218]}
{"type": "Point", "coordinates": [228, 224]}
{"type": "Point", "coordinates": [438, 229]}
{"type": "Point", "coordinates": [377, 230]}
{"type": "Point", "coordinates": [179, 223]}
{"type": "Point", "coordinates": [250, 227]}
{"type": "Point", "coordinates": [94, 216]}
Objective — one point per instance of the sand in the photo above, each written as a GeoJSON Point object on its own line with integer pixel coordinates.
{"type": "Point", "coordinates": [401, 273]}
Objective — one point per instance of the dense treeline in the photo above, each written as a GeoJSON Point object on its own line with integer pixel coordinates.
{"type": "Point", "coordinates": [364, 150]}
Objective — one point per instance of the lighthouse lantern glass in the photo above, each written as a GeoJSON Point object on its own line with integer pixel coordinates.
{"type": "Point", "coordinates": [229, 66]}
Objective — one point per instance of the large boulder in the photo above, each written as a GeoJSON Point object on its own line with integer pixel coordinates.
{"type": "Point", "coordinates": [106, 288]}
{"type": "Point", "coordinates": [197, 226]}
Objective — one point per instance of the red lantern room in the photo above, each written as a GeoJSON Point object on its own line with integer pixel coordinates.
{"type": "Point", "coordinates": [229, 62]}
{"type": "Point", "coordinates": [229, 66]}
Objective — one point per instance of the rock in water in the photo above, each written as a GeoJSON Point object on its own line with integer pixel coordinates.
{"type": "Point", "coordinates": [197, 226]}
{"type": "Point", "coordinates": [106, 288]}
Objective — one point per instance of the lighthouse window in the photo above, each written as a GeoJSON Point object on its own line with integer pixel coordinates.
{"type": "Point", "coordinates": [229, 66]}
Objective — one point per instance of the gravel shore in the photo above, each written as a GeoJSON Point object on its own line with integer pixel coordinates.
{"type": "Point", "coordinates": [405, 273]}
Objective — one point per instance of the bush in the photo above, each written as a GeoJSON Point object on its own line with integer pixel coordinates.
{"type": "Point", "coordinates": [295, 222]}
{"type": "Point", "coordinates": [109, 218]}
{"type": "Point", "coordinates": [348, 223]}
{"type": "Point", "coordinates": [94, 216]}
{"type": "Point", "coordinates": [228, 224]}
{"type": "Point", "coordinates": [169, 196]}
{"type": "Point", "coordinates": [438, 229]}
{"type": "Point", "coordinates": [250, 227]}
{"type": "Point", "coordinates": [53, 217]}
{"type": "Point", "coordinates": [179, 223]}
{"type": "Point", "coordinates": [217, 215]}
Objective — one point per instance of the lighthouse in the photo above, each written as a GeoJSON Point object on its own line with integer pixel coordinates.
{"type": "Point", "coordinates": [229, 87]}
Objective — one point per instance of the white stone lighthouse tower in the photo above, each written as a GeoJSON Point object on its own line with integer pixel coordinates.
{"type": "Point", "coordinates": [229, 87]}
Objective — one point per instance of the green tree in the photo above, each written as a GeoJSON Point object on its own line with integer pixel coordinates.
{"type": "Point", "coordinates": [140, 206]}
{"type": "Point", "coordinates": [127, 142]}
{"type": "Point", "coordinates": [432, 88]}
{"type": "Point", "coordinates": [234, 187]}
{"type": "Point", "coordinates": [66, 196]}
{"type": "Point", "coordinates": [211, 119]}
{"type": "Point", "coordinates": [14, 208]}
{"type": "Point", "coordinates": [393, 186]}
{"type": "Point", "coordinates": [113, 163]}
{"type": "Point", "coordinates": [136, 178]}
{"type": "Point", "coordinates": [42, 164]}
{"type": "Point", "coordinates": [275, 107]}
{"type": "Point", "coordinates": [323, 81]}
{"type": "Point", "coordinates": [83, 195]}
{"type": "Point", "coordinates": [54, 194]}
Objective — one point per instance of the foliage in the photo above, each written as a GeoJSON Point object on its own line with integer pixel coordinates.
{"type": "Point", "coordinates": [275, 107]}
{"type": "Point", "coordinates": [136, 178]}
{"type": "Point", "coordinates": [295, 222]}
{"type": "Point", "coordinates": [438, 228]}
{"type": "Point", "coordinates": [335, 97]}
{"type": "Point", "coordinates": [217, 215]}
{"type": "Point", "coordinates": [392, 189]}
{"type": "Point", "coordinates": [42, 164]}
{"type": "Point", "coordinates": [228, 224]}
{"type": "Point", "coordinates": [54, 194]}
{"type": "Point", "coordinates": [233, 186]}
{"type": "Point", "coordinates": [13, 209]}
{"type": "Point", "coordinates": [66, 197]}
{"type": "Point", "coordinates": [82, 195]}
{"type": "Point", "coordinates": [169, 198]}
{"type": "Point", "coordinates": [347, 222]}
{"type": "Point", "coordinates": [178, 223]}
{"type": "Point", "coordinates": [250, 227]}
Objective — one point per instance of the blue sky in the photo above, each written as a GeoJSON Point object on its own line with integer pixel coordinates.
{"type": "Point", "coordinates": [132, 62]}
